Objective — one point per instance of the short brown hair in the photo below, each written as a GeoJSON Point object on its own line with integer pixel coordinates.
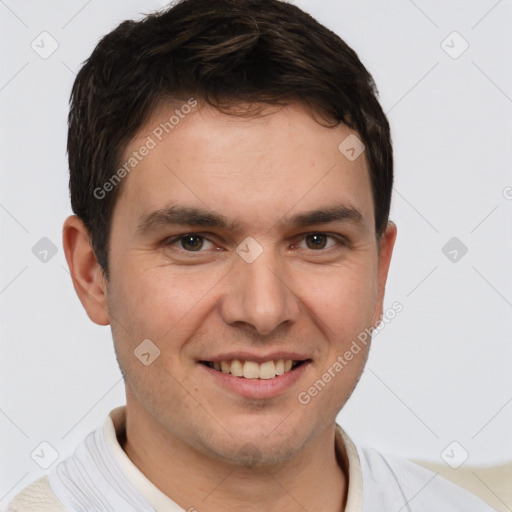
{"type": "Point", "coordinates": [226, 53]}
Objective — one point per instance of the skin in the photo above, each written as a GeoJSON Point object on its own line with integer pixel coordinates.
{"type": "Point", "coordinates": [204, 445]}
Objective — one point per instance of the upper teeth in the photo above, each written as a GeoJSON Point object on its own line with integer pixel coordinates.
{"type": "Point", "coordinates": [254, 370]}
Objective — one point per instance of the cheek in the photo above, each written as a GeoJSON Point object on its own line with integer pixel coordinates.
{"type": "Point", "coordinates": [343, 301]}
{"type": "Point", "coordinates": [157, 302]}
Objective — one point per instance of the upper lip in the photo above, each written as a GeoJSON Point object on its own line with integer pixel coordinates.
{"type": "Point", "coordinates": [258, 358]}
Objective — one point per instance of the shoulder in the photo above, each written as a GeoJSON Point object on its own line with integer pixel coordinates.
{"type": "Point", "coordinates": [401, 483]}
{"type": "Point", "coordinates": [37, 497]}
{"type": "Point", "coordinates": [493, 484]}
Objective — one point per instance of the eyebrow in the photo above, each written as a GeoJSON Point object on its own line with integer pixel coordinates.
{"type": "Point", "coordinates": [183, 216]}
{"type": "Point", "coordinates": [327, 215]}
{"type": "Point", "coordinates": [192, 216]}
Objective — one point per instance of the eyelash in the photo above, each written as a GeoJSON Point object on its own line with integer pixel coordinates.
{"type": "Point", "coordinates": [339, 240]}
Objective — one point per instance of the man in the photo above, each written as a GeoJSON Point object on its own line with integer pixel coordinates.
{"type": "Point", "coordinates": [231, 175]}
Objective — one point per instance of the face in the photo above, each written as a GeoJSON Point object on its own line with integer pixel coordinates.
{"type": "Point", "coordinates": [242, 247]}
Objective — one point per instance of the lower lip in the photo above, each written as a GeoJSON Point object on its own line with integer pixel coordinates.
{"type": "Point", "coordinates": [258, 388]}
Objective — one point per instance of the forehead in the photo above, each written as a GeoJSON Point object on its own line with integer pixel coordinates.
{"type": "Point", "coordinates": [278, 162]}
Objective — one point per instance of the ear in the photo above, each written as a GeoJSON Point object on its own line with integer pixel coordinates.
{"type": "Point", "coordinates": [88, 278]}
{"type": "Point", "coordinates": [385, 248]}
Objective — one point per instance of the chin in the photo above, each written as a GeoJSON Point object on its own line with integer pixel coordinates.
{"type": "Point", "coordinates": [260, 444]}
{"type": "Point", "coordinates": [258, 454]}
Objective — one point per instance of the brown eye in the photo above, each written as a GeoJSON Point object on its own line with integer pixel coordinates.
{"type": "Point", "coordinates": [192, 242]}
{"type": "Point", "coordinates": [316, 241]}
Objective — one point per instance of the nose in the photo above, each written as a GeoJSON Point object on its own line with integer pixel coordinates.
{"type": "Point", "coordinates": [259, 294]}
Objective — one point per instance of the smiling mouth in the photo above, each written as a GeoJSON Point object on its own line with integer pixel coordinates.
{"type": "Point", "coordinates": [253, 369]}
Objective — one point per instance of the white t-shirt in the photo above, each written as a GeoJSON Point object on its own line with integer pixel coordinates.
{"type": "Point", "coordinates": [100, 477]}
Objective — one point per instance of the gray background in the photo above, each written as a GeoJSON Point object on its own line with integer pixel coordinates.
{"type": "Point", "coordinates": [438, 373]}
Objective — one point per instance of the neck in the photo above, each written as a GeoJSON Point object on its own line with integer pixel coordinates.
{"type": "Point", "coordinates": [315, 479]}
